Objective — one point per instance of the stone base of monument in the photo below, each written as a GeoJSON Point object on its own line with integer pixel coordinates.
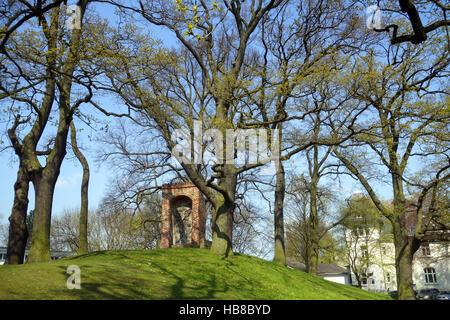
{"type": "Point", "coordinates": [181, 245]}
{"type": "Point", "coordinates": [206, 244]}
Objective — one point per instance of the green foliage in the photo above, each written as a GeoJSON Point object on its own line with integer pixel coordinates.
{"type": "Point", "coordinates": [361, 212]}
{"type": "Point", "coordinates": [332, 250]}
{"type": "Point", "coordinates": [193, 15]}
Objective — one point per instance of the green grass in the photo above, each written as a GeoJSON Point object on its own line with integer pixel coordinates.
{"type": "Point", "coordinates": [169, 274]}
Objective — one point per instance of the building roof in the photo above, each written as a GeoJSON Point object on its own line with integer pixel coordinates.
{"type": "Point", "coordinates": [322, 268]}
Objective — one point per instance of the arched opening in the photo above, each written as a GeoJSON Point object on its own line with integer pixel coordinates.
{"type": "Point", "coordinates": [181, 221]}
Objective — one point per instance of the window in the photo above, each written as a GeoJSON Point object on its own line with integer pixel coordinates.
{"type": "Point", "coordinates": [360, 231]}
{"type": "Point", "coordinates": [426, 250]}
{"type": "Point", "coordinates": [364, 279]}
{"type": "Point", "coordinates": [366, 276]}
{"type": "Point", "coordinates": [364, 252]}
{"type": "Point", "coordinates": [430, 275]}
{"type": "Point", "coordinates": [388, 277]}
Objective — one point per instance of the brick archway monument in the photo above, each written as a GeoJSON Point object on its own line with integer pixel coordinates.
{"type": "Point", "coordinates": [183, 218]}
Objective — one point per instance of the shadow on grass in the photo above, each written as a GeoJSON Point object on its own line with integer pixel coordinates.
{"type": "Point", "coordinates": [111, 282]}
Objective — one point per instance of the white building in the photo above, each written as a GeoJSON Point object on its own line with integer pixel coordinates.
{"type": "Point", "coordinates": [431, 268]}
{"type": "Point", "coordinates": [55, 255]}
{"type": "Point", "coordinates": [371, 254]}
{"type": "Point", "coordinates": [330, 272]}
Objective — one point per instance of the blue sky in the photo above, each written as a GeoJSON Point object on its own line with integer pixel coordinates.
{"type": "Point", "coordinates": [67, 192]}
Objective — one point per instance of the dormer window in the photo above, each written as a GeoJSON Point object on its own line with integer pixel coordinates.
{"type": "Point", "coordinates": [426, 250]}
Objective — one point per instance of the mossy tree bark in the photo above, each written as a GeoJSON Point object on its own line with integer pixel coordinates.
{"type": "Point", "coordinates": [405, 247]}
{"type": "Point", "coordinates": [280, 189]}
{"type": "Point", "coordinates": [44, 188]}
{"type": "Point", "coordinates": [222, 228]}
{"type": "Point", "coordinates": [406, 244]}
{"type": "Point", "coordinates": [314, 227]}
{"type": "Point", "coordinates": [316, 233]}
{"type": "Point", "coordinates": [18, 231]}
{"type": "Point", "coordinates": [83, 236]}
{"type": "Point", "coordinates": [316, 169]}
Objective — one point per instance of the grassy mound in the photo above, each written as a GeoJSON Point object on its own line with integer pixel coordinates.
{"type": "Point", "coordinates": [169, 274]}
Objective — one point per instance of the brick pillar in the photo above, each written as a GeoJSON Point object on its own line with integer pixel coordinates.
{"type": "Point", "coordinates": [166, 219]}
{"type": "Point", "coordinates": [169, 193]}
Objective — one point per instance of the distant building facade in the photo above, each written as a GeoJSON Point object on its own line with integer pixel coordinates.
{"type": "Point", "coordinates": [55, 255]}
{"type": "Point", "coordinates": [371, 253]}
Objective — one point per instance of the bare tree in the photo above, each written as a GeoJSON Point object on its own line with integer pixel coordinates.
{"type": "Point", "coordinates": [112, 226]}
{"type": "Point", "coordinates": [308, 228]}
{"type": "Point", "coordinates": [433, 12]}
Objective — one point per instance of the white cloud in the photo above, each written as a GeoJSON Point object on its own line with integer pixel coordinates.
{"type": "Point", "coordinates": [67, 181]}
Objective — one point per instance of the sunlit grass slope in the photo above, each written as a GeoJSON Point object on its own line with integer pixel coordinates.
{"type": "Point", "coordinates": [169, 274]}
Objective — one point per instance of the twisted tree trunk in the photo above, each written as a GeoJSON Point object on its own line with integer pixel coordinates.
{"type": "Point", "coordinates": [82, 240]}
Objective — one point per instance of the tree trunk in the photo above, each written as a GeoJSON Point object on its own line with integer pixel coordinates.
{"type": "Point", "coordinates": [307, 258]}
{"type": "Point", "coordinates": [280, 251]}
{"type": "Point", "coordinates": [358, 282]}
{"type": "Point", "coordinates": [405, 246]}
{"type": "Point", "coordinates": [18, 232]}
{"type": "Point", "coordinates": [222, 218]}
{"type": "Point", "coordinates": [82, 240]}
{"type": "Point", "coordinates": [404, 242]}
{"type": "Point", "coordinates": [40, 245]}
{"type": "Point", "coordinates": [222, 227]}
{"type": "Point", "coordinates": [314, 224]}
